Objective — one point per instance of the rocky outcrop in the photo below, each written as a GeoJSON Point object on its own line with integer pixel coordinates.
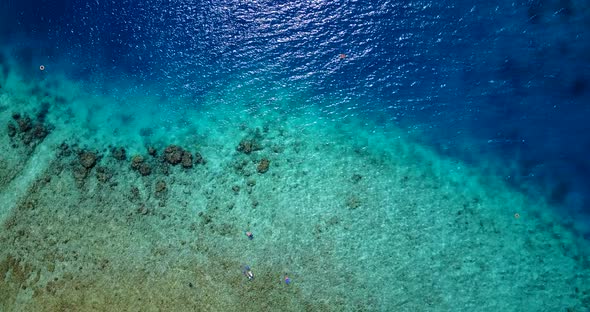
{"type": "Point", "coordinates": [39, 132]}
{"type": "Point", "coordinates": [160, 189]}
{"type": "Point", "coordinates": [145, 169]}
{"type": "Point", "coordinates": [103, 174]}
{"type": "Point", "coordinates": [173, 154]}
{"type": "Point", "coordinates": [24, 124]}
{"type": "Point", "coordinates": [263, 165]}
{"type": "Point", "coordinates": [248, 146]}
{"type": "Point", "coordinates": [138, 164]}
{"type": "Point", "coordinates": [88, 159]}
{"type": "Point", "coordinates": [27, 131]}
{"type": "Point", "coordinates": [187, 160]}
{"type": "Point", "coordinates": [119, 153]}
{"type": "Point", "coordinates": [11, 130]}
{"type": "Point", "coordinates": [83, 164]}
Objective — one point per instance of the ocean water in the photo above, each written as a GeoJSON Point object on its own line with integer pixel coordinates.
{"type": "Point", "coordinates": [383, 155]}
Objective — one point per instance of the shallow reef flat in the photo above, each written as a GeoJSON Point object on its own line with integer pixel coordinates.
{"type": "Point", "coordinates": [103, 212]}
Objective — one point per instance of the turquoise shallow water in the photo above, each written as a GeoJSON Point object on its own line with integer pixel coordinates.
{"type": "Point", "coordinates": [360, 217]}
{"type": "Point", "coordinates": [357, 148]}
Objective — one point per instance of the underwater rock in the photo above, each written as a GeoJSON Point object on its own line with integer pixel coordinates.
{"type": "Point", "coordinates": [160, 189]}
{"type": "Point", "coordinates": [145, 169]}
{"type": "Point", "coordinates": [173, 154]}
{"type": "Point", "coordinates": [40, 132]}
{"type": "Point", "coordinates": [187, 160]}
{"type": "Point", "coordinates": [248, 146]}
{"type": "Point", "coordinates": [151, 151]}
{"type": "Point", "coordinates": [245, 147]}
{"type": "Point", "coordinates": [88, 159]}
{"type": "Point", "coordinates": [160, 186]}
{"type": "Point", "coordinates": [27, 138]}
{"type": "Point", "coordinates": [24, 124]}
{"type": "Point", "coordinates": [103, 174]}
{"type": "Point", "coordinates": [11, 130]}
{"type": "Point", "coordinates": [263, 165]}
{"type": "Point", "coordinates": [136, 162]}
{"type": "Point", "coordinates": [80, 174]}
{"type": "Point", "coordinates": [119, 153]}
{"type": "Point", "coordinates": [236, 189]}
{"type": "Point", "coordinates": [64, 150]}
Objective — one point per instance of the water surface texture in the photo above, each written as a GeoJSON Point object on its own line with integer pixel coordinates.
{"type": "Point", "coordinates": [294, 155]}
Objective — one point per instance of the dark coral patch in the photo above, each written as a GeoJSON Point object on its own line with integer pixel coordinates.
{"type": "Point", "coordinates": [119, 153]}
{"type": "Point", "coordinates": [173, 154]}
{"type": "Point", "coordinates": [263, 165]}
{"type": "Point", "coordinates": [248, 146]}
{"type": "Point", "coordinates": [88, 159]}
{"type": "Point", "coordinates": [187, 160]}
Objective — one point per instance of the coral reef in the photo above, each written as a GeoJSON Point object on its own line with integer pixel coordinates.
{"type": "Point", "coordinates": [139, 164]}
{"type": "Point", "coordinates": [119, 153]}
{"type": "Point", "coordinates": [136, 162]}
{"type": "Point", "coordinates": [263, 165]}
{"type": "Point", "coordinates": [173, 154]}
{"type": "Point", "coordinates": [186, 160]}
{"type": "Point", "coordinates": [88, 159]}
{"type": "Point", "coordinates": [28, 132]}
{"type": "Point", "coordinates": [103, 174]}
{"type": "Point", "coordinates": [248, 146]}
{"type": "Point", "coordinates": [160, 189]}
{"type": "Point", "coordinates": [152, 151]}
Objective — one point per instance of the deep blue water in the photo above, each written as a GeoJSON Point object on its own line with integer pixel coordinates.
{"type": "Point", "coordinates": [508, 81]}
